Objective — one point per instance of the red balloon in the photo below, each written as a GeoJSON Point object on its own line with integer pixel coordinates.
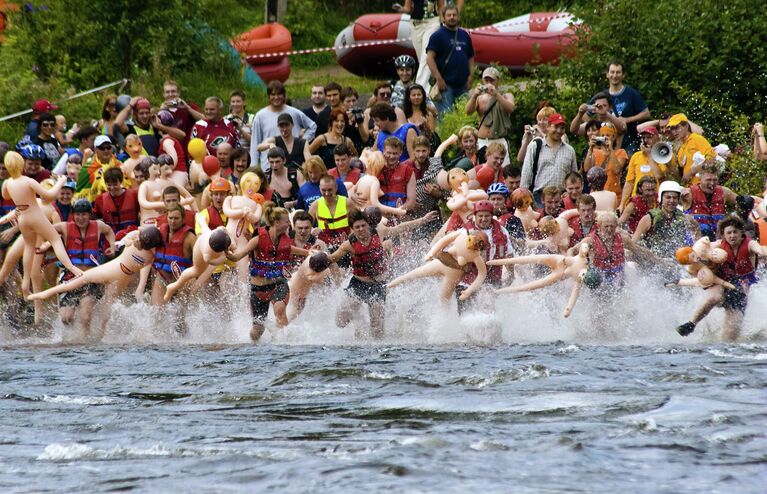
{"type": "Point", "coordinates": [210, 165]}
{"type": "Point", "coordinates": [485, 176]}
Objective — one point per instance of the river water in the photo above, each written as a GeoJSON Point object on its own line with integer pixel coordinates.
{"type": "Point", "coordinates": [516, 400]}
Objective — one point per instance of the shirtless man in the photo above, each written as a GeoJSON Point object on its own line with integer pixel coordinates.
{"type": "Point", "coordinates": [312, 272]}
{"type": "Point", "coordinates": [483, 100]}
{"type": "Point", "coordinates": [286, 182]}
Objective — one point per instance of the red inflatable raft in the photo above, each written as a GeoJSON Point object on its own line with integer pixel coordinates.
{"type": "Point", "coordinates": [535, 38]}
{"type": "Point", "coordinates": [263, 40]}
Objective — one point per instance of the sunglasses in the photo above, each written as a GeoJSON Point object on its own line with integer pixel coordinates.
{"type": "Point", "coordinates": [105, 147]}
{"type": "Point", "coordinates": [48, 124]}
{"type": "Point", "coordinates": [384, 95]}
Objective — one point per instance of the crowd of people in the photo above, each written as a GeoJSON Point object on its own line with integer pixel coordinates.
{"type": "Point", "coordinates": [165, 203]}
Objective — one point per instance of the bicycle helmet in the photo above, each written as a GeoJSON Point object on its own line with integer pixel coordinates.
{"type": "Point", "coordinates": [404, 61]}
{"type": "Point", "coordinates": [498, 188]}
{"type": "Point", "coordinates": [32, 152]}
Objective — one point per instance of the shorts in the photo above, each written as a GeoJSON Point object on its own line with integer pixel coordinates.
{"type": "Point", "coordinates": [734, 300]}
{"type": "Point", "coordinates": [73, 298]}
{"type": "Point", "coordinates": [262, 295]}
{"type": "Point", "coordinates": [365, 291]}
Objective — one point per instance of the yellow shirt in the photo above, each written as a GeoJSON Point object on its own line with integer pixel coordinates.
{"type": "Point", "coordinates": [639, 166]}
{"type": "Point", "coordinates": [693, 144]}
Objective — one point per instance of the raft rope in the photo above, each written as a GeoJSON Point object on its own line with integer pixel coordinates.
{"type": "Point", "coordinates": [123, 82]}
{"type": "Point", "coordinates": [540, 20]}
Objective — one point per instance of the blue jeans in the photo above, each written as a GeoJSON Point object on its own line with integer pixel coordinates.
{"type": "Point", "coordinates": [448, 98]}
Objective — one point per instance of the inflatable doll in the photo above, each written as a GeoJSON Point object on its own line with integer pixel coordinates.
{"type": "Point", "coordinates": [210, 251]}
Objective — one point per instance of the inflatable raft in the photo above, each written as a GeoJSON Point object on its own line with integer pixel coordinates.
{"type": "Point", "coordinates": [535, 38]}
{"type": "Point", "coordinates": [262, 40]}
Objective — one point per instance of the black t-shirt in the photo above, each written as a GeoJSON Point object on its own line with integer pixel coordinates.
{"type": "Point", "coordinates": [51, 148]}
{"type": "Point", "coordinates": [322, 119]}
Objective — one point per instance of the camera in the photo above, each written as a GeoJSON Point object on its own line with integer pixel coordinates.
{"type": "Point", "coordinates": [590, 108]}
{"type": "Point", "coordinates": [173, 103]}
{"type": "Point", "coordinates": [533, 131]}
{"type": "Point", "coordinates": [482, 89]}
{"type": "Point", "coordinates": [357, 114]}
{"type": "Point", "coordinates": [600, 141]}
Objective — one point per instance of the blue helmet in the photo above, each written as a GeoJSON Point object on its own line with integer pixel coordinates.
{"type": "Point", "coordinates": [32, 152]}
{"type": "Point", "coordinates": [25, 141]}
{"type": "Point", "coordinates": [498, 188]}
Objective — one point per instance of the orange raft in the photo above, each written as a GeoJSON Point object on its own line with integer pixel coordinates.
{"type": "Point", "coordinates": [264, 40]}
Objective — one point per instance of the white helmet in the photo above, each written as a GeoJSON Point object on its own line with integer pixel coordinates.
{"type": "Point", "coordinates": [669, 186]}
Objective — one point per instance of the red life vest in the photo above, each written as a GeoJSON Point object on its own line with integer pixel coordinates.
{"type": "Point", "coordinates": [568, 203]}
{"type": "Point", "coordinates": [353, 176]}
{"type": "Point", "coordinates": [173, 251]}
{"type": "Point", "coordinates": [69, 218]}
{"type": "Point", "coordinates": [181, 163]}
{"type": "Point", "coordinates": [738, 264]}
{"type": "Point", "coordinates": [124, 218]}
{"type": "Point", "coordinates": [368, 260]}
{"type": "Point", "coordinates": [707, 213]}
{"type": "Point", "coordinates": [610, 262]}
{"type": "Point", "coordinates": [214, 218]}
{"type": "Point", "coordinates": [494, 273]}
{"type": "Point", "coordinates": [268, 261]}
{"type": "Point", "coordinates": [641, 208]}
{"type": "Point", "coordinates": [577, 236]}
{"type": "Point", "coordinates": [394, 184]}
{"type": "Point", "coordinates": [80, 249]}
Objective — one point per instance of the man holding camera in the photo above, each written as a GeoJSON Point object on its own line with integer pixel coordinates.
{"type": "Point", "coordinates": [184, 114]}
{"type": "Point", "coordinates": [494, 110]}
{"type": "Point", "coordinates": [600, 109]}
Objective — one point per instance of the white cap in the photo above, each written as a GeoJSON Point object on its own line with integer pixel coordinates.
{"type": "Point", "coordinates": [101, 140]}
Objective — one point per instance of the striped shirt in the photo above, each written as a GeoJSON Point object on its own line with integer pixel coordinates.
{"type": "Point", "coordinates": [553, 166]}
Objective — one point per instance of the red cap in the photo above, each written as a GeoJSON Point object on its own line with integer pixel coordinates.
{"type": "Point", "coordinates": [142, 103]}
{"type": "Point", "coordinates": [650, 130]}
{"type": "Point", "coordinates": [484, 205]}
{"type": "Point", "coordinates": [556, 119]}
{"type": "Point", "coordinates": [43, 105]}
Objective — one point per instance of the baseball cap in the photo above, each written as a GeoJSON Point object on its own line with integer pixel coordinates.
{"type": "Point", "coordinates": [677, 119]}
{"type": "Point", "coordinates": [70, 184]}
{"type": "Point", "coordinates": [43, 105]}
{"type": "Point", "coordinates": [142, 103]}
{"type": "Point", "coordinates": [492, 73]}
{"type": "Point", "coordinates": [219, 185]}
{"type": "Point", "coordinates": [285, 118]}
{"type": "Point", "coordinates": [650, 130]}
{"type": "Point", "coordinates": [101, 140]}
{"type": "Point", "coordinates": [556, 119]}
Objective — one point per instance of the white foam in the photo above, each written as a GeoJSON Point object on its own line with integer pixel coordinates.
{"type": "Point", "coordinates": [647, 313]}
{"type": "Point", "coordinates": [78, 400]}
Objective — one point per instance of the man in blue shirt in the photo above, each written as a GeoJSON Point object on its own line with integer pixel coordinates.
{"type": "Point", "coordinates": [628, 105]}
{"type": "Point", "coordinates": [450, 56]}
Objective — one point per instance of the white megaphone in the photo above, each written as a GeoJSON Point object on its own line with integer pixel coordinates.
{"type": "Point", "coordinates": [662, 153]}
